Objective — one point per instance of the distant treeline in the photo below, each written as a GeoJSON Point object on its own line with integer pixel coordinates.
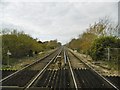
{"type": "Point", "coordinates": [20, 44]}
{"type": "Point", "coordinates": [96, 38]}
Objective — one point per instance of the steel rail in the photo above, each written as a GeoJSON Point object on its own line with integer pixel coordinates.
{"type": "Point", "coordinates": [28, 66]}
{"type": "Point", "coordinates": [38, 75]}
{"type": "Point", "coordinates": [110, 83]}
{"type": "Point", "coordinates": [71, 70]}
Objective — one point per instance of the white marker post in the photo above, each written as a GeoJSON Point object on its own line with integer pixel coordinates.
{"type": "Point", "coordinates": [8, 54]}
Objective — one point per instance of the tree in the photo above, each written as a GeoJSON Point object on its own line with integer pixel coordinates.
{"type": "Point", "coordinates": [19, 44]}
{"type": "Point", "coordinates": [101, 28]}
{"type": "Point", "coordinates": [22, 45]}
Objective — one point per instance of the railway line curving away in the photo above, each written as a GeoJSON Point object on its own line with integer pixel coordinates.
{"type": "Point", "coordinates": [59, 70]}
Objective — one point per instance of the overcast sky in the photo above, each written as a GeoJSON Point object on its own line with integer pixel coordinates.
{"type": "Point", "coordinates": [54, 20]}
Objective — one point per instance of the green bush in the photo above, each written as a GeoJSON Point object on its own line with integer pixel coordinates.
{"type": "Point", "coordinates": [99, 45]}
{"type": "Point", "coordinates": [21, 45]}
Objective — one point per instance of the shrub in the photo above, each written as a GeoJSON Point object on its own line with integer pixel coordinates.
{"type": "Point", "coordinates": [99, 45]}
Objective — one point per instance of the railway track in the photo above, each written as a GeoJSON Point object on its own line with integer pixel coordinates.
{"type": "Point", "coordinates": [51, 75]}
{"type": "Point", "coordinates": [87, 77]}
{"type": "Point", "coordinates": [6, 73]}
{"type": "Point", "coordinates": [55, 78]}
{"type": "Point", "coordinates": [22, 77]}
{"type": "Point", "coordinates": [114, 79]}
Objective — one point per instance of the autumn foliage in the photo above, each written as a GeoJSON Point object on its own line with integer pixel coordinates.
{"type": "Point", "coordinates": [22, 45]}
{"type": "Point", "coordinates": [97, 37]}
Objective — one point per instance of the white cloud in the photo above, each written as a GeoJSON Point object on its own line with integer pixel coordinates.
{"type": "Point", "coordinates": [55, 20]}
{"type": "Point", "coordinates": [60, 0]}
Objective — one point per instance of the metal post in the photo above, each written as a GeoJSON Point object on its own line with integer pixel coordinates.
{"type": "Point", "coordinates": [108, 54]}
{"type": "Point", "coordinates": [8, 54]}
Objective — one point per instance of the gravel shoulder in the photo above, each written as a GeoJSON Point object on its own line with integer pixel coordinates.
{"type": "Point", "coordinates": [100, 67]}
{"type": "Point", "coordinates": [75, 62]}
